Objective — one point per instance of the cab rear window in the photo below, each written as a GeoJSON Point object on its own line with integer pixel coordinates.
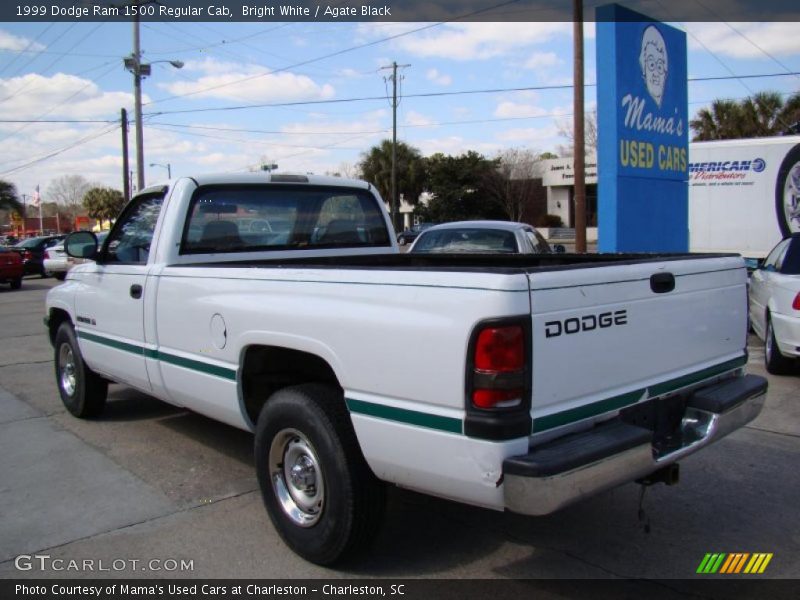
{"type": "Point", "coordinates": [249, 218]}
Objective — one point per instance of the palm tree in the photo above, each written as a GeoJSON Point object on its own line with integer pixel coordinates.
{"type": "Point", "coordinates": [762, 115]}
{"type": "Point", "coordinates": [376, 167]}
{"type": "Point", "coordinates": [9, 199]}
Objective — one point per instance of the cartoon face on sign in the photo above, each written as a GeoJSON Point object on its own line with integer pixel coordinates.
{"type": "Point", "coordinates": [654, 63]}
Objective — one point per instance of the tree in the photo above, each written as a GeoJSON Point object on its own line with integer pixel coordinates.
{"type": "Point", "coordinates": [376, 167]}
{"type": "Point", "coordinates": [461, 188]}
{"type": "Point", "coordinates": [762, 115]}
{"type": "Point", "coordinates": [567, 130]}
{"type": "Point", "coordinates": [68, 191]}
{"type": "Point", "coordinates": [9, 200]}
{"type": "Point", "coordinates": [513, 183]}
{"type": "Point", "coordinates": [103, 203]}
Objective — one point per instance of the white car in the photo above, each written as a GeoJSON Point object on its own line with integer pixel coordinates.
{"type": "Point", "coordinates": [775, 305]}
{"type": "Point", "coordinates": [57, 262]}
{"type": "Point", "coordinates": [481, 237]}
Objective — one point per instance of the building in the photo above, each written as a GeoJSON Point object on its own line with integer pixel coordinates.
{"type": "Point", "coordinates": [558, 178]}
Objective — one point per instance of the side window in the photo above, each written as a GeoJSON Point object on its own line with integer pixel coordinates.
{"type": "Point", "coordinates": [129, 241]}
{"type": "Point", "coordinates": [538, 242]}
{"type": "Point", "coordinates": [772, 263]}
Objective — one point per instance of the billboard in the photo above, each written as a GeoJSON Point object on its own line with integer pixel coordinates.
{"type": "Point", "coordinates": [643, 134]}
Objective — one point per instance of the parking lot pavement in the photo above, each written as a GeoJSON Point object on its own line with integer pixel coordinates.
{"type": "Point", "coordinates": [149, 482]}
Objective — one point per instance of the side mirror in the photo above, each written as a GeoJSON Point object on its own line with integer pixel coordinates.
{"type": "Point", "coordinates": [559, 249]}
{"type": "Point", "coordinates": [81, 244]}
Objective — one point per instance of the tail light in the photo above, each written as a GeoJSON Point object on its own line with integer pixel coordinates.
{"type": "Point", "coordinates": [47, 254]}
{"type": "Point", "coordinates": [499, 367]}
{"type": "Point", "coordinates": [498, 380]}
{"type": "Point", "coordinates": [796, 303]}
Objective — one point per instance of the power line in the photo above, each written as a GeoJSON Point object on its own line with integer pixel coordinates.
{"type": "Point", "coordinates": [60, 151]}
{"type": "Point", "coordinates": [538, 88]}
{"type": "Point", "coordinates": [333, 54]}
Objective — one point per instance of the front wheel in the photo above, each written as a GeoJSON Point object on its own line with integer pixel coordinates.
{"type": "Point", "coordinates": [319, 491]}
{"type": "Point", "coordinates": [16, 283]}
{"type": "Point", "coordinates": [776, 363]}
{"type": "Point", "coordinates": [82, 391]}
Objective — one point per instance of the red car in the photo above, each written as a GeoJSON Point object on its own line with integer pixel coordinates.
{"type": "Point", "coordinates": [11, 268]}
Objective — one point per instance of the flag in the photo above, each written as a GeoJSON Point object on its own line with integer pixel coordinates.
{"type": "Point", "coordinates": [37, 199]}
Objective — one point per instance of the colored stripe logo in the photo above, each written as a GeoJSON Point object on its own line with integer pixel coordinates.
{"type": "Point", "coordinates": [734, 563]}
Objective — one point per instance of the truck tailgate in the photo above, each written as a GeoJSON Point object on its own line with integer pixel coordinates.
{"type": "Point", "coordinates": [611, 336]}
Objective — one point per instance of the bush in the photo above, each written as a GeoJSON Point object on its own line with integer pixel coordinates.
{"type": "Point", "coordinates": [550, 221]}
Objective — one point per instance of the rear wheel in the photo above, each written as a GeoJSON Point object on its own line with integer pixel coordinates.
{"type": "Point", "coordinates": [776, 363]}
{"type": "Point", "coordinates": [319, 491]}
{"type": "Point", "coordinates": [16, 283]}
{"type": "Point", "coordinates": [61, 275]}
{"type": "Point", "coordinates": [82, 391]}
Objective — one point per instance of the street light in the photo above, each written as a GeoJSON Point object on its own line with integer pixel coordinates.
{"type": "Point", "coordinates": [134, 64]}
{"type": "Point", "coordinates": [166, 166]}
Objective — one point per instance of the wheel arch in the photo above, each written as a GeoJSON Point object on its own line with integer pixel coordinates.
{"type": "Point", "coordinates": [267, 368]}
{"type": "Point", "coordinates": [55, 318]}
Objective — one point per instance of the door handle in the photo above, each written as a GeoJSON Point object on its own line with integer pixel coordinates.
{"type": "Point", "coordinates": [136, 291]}
{"type": "Point", "coordinates": [662, 283]}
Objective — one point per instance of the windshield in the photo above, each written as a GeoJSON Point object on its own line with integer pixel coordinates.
{"type": "Point", "coordinates": [247, 218]}
{"type": "Point", "coordinates": [468, 240]}
{"type": "Point", "coordinates": [30, 243]}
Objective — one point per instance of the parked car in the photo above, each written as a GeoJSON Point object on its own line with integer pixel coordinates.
{"type": "Point", "coordinates": [409, 235]}
{"type": "Point", "coordinates": [775, 305]}
{"type": "Point", "coordinates": [11, 268]}
{"type": "Point", "coordinates": [32, 252]}
{"type": "Point", "coordinates": [482, 237]}
{"type": "Point", "coordinates": [57, 262]}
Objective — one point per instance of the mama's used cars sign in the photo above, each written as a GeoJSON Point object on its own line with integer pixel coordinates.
{"type": "Point", "coordinates": [643, 136]}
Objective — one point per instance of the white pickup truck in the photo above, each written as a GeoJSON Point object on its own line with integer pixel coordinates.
{"type": "Point", "coordinates": [280, 304]}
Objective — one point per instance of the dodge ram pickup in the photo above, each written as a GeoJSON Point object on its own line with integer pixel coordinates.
{"type": "Point", "coordinates": [280, 304]}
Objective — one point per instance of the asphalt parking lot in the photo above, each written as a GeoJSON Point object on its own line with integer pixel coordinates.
{"type": "Point", "coordinates": [151, 482]}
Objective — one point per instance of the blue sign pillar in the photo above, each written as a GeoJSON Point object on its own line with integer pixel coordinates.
{"type": "Point", "coordinates": [643, 134]}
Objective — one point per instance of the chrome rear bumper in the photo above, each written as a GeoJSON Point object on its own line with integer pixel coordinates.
{"type": "Point", "coordinates": [580, 465]}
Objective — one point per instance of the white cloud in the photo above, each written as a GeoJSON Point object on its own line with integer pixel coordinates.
{"type": "Point", "coordinates": [33, 96]}
{"type": "Point", "coordinates": [15, 43]}
{"type": "Point", "coordinates": [416, 119]}
{"type": "Point", "coordinates": [438, 78]}
{"type": "Point", "coordinates": [539, 60]}
{"type": "Point", "coordinates": [248, 83]}
{"type": "Point", "coordinates": [540, 137]}
{"type": "Point", "coordinates": [516, 110]}
{"type": "Point", "coordinates": [744, 40]}
{"type": "Point", "coordinates": [474, 41]}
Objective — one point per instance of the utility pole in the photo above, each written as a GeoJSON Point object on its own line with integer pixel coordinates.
{"type": "Point", "coordinates": [579, 130]}
{"type": "Point", "coordinates": [126, 184]}
{"type": "Point", "coordinates": [140, 70]}
{"type": "Point", "coordinates": [393, 203]}
{"type": "Point", "coordinates": [137, 93]}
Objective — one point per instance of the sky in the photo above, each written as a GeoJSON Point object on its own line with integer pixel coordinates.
{"type": "Point", "coordinates": [200, 118]}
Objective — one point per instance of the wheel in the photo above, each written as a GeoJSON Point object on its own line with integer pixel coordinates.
{"type": "Point", "coordinates": [319, 491]}
{"type": "Point", "coordinates": [83, 392]}
{"type": "Point", "coordinates": [787, 193]}
{"type": "Point", "coordinates": [16, 283]}
{"type": "Point", "coordinates": [776, 363]}
{"type": "Point", "coordinates": [61, 275]}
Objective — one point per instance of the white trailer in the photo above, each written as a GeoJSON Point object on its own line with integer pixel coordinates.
{"type": "Point", "coordinates": [744, 195]}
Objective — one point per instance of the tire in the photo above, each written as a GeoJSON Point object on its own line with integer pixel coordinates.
{"type": "Point", "coordinates": [789, 166]}
{"type": "Point", "coordinates": [82, 391]}
{"type": "Point", "coordinates": [61, 275]}
{"type": "Point", "coordinates": [776, 363]}
{"type": "Point", "coordinates": [16, 283]}
{"type": "Point", "coordinates": [329, 506]}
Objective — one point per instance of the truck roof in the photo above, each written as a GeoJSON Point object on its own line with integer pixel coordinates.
{"type": "Point", "coordinates": [266, 177]}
